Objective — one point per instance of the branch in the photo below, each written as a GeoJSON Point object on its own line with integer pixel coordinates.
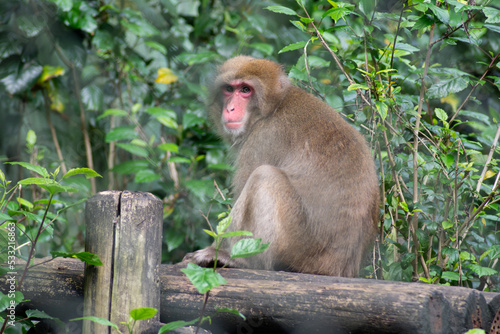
{"type": "Point", "coordinates": [488, 160]}
{"type": "Point", "coordinates": [414, 220]}
{"type": "Point", "coordinates": [490, 66]}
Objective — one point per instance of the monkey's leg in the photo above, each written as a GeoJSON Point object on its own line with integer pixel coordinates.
{"type": "Point", "coordinates": [270, 208]}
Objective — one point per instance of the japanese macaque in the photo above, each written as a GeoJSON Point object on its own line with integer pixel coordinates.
{"type": "Point", "coordinates": [305, 180]}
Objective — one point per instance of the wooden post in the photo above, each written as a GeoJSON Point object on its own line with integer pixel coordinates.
{"type": "Point", "coordinates": [124, 229]}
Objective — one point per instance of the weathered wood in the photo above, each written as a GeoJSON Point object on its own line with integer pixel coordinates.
{"type": "Point", "coordinates": [281, 302]}
{"type": "Point", "coordinates": [124, 229]}
{"type": "Point", "coordinates": [277, 302]}
{"type": "Point", "coordinates": [56, 287]}
{"type": "Point", "coordinates": [494, 305]}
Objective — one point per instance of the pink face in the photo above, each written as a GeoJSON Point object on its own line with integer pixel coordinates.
{"type": "Point", "coordinates": [237, 94]}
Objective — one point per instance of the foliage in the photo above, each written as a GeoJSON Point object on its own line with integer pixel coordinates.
{"type": "Point", "coordinates": [205, 279]}
{"type": "Point", "coordinates": [24, 228]}
{"type": "Point", "coordinates": [136, 314]}
{"type": "Point", "coordinates": [434, 141]}
{"type": "Point", "coordinates": [119, 87]}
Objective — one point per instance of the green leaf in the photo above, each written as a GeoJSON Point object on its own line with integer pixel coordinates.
{"type": "Point", "coordinates": [38, 314]}
{"type": "Point", "coordinates": [357, 86]}
{"type": "Point", "coordinates": [22, 79]}
{"type": "Point", "coordinates": [492, 27]}
{"type": "Point", "coordinates": [146, 175]}
{"type": "Point", "coordinates": [382, 109]}
{"type": "Point", "coordinates": [25, 203]}
{"type": "Point", "coordinates": [131, 166]}
{"type": "Point", "coordinates": [180, 160]}
{"type": "Point", "coordinates": [57, 188]}
{"type": "Point", "coordinates": [63, 5]}
{"type": "Point", "coordinates": [224, 224]}
{"type": "Point", "coordinates": [173, 238]}
{"type": "Point", "coordinates": [367, 7]}
{"type": "Point", "coordinates": [34, 168]}
{"type": "Point", "coordinates": [92, 97]}
{"type": "Point", "coordinates": [440, 13]}
{"type": "Point", "coordinates": [6, 217]}
{"type": "Point", "coordinates": [176, 324]}
{"type": "Point", "coordinates": [294, 46]}
{"type": "Point", "coordinates": [168, 122]}
{"type": "Point", "coordinates": [447, 224]}
{"type": "Point", "coordinates": [134, 149]}
{"type": "Point", "coordinates": [82, 17]}
{"type": "Point", "coordinates": [166, 117]}
{"type": "Point", "coordinates": [31, 138]}
{"type": "Point", "coordinates": [113, 112]}
{"type": "Point", "coordinates": [203, 189]}
{"type": "Point", "coordinates": [446, 87]}
{"type": "Point", "coordinates": [299, 25]}
{"type": "Point", "coordinates": [204, 279]}
{"type": "Point", "coordinates": [450, 275]}
{"type": "Point", "coordinates": [227, 167]}
{"type": "Point", "coordinates": [36, 180]}
{"type": "Point", "coordinates": [210, 233]}
{"type": "Point", "coordinates": [30, 25]}
{"type": "Point", "coordinates": [281, 10]}
{"type": "Point", "coordinates": [199, 58]}
{"type": "Point", "coordinates": [248, 247]}
{"type": "Point", "coordinates": [98, 320]}
{"type": "Point", "coordinates": [338, 13]}
{"type": "Point", "coordinates": [169, 147]}
{"type": "Point", "coordinates": [232, 311]}
{"type": "Point", "coordinates": [86, 257]}
{"type": "Point", "coordinates": [121, 133]}
{"type": "Point", "coordinates": [138, 26]}
{"type": "Point", "coordinates": [423, 22]}
{"type": "Point", "coordinates": [157, 46]}
{"type": "Point", "coordinates": [87, 172]}
{"type": "Point", "coordinates": [265, 48]}
{"type": "Point", "coordinates": [441, 114]}
{"type": "Point", "coordinates": [143, 313]}
{"type": "Point", "coordinates": [482, 271]}
{"type": "Point", "coordinates": [476, 115]}
{"type": "Point", "coordinates": [475, 331]}
{"type": "Point", "coordinates": [495, 252]}
{"type": "Point", "coordinates": [492, 14]}
{"type": "Point", "coordinates": [404, 206]}
{"type": "Point", "coordinates": [190, 120]}
{"type": "Point", "coordinates": [449, 160]}
{"type": "Point", "coordinates": [236, 234]}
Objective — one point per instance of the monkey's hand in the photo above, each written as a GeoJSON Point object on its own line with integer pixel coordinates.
{"type": "Point", "coordinates": [206, 258]}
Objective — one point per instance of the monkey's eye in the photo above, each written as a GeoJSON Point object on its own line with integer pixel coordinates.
{"type": "Point", "coordinates": [245, 89]}
{"type": "Point", "coordinates": [227, 89]}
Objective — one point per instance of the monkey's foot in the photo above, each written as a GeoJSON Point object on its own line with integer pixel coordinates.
{"type": "Point", "coordinates": [206, 258]}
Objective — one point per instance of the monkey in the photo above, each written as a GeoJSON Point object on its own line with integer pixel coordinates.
{"type": "Point", "coordinates": [305, 180]}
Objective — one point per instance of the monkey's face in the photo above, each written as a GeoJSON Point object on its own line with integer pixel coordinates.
{"type": "Point", "coordinates": [237, 96]}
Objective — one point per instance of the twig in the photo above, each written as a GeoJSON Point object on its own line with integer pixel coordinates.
{"type": "Point", "coordinates": [490, 66]}
{"type": "Point", "coordinates": [76, 87]}
{"type": "Point", "coordinates": [33, 244]}
{"type": "Point", "coordinates": [488, 160]}
{"type": "Point", "coordinates": [54, 133]}
{"type": "Point", "coordinates": [205, 300]}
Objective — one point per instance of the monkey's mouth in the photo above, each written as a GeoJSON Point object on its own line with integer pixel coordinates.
{"type": "Point", "coordinates": [233, 125]}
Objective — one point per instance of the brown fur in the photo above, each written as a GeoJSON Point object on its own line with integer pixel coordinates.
{"type": "Point", "coordinates": [305, 180]}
